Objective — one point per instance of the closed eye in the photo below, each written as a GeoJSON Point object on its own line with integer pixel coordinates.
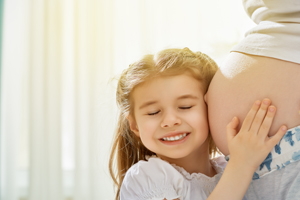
{"type": "Point", "coordinates": [154, 113]}
{"type": "Point", "coordinates": [185, 107]}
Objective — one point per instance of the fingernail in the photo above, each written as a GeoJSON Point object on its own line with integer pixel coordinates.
{"type": "Point", "coordinates": [233, 119]}
{"type": "Point", "coordinates": [283, 128]}
{"type": "Point", "coordinates": [271, 109]}
{"type": "Point", "coordinates": [257, 102]}
{"type": "Point", "coordinates": [266, 102]}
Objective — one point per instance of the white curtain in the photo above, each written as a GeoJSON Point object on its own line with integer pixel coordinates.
{"type": "Point", "coordinates": [60, 59]}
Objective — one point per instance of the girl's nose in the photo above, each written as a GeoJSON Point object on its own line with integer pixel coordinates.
{"type": "Point", "coordinates": [170, 120]}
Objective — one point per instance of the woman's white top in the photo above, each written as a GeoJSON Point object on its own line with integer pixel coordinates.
{"type": "Point", "coordinates": [157, 179]}
{"type": "Point", "coordinates": [277, 33]}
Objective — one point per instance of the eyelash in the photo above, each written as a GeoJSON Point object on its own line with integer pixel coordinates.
{"type": "Point", "coordinates": [154, 113]}
{"type": "Point", "coordinates": [183, 108]}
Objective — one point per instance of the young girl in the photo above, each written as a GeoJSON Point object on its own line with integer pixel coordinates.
{"type": "Point", "coordinates": [163, 147]}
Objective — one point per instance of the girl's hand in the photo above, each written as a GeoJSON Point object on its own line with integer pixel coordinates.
{"type": "Point", "coordinates": [247, 149]}
{"type": "Point", "coordinates": [251, 145]}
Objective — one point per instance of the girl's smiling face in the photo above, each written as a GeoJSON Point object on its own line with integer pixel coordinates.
{"type": "Point", "coordinates": [170, 116]}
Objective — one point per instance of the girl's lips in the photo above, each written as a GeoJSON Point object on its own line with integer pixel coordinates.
{"type": "Point", "coordinates": [175, 142]}
{"type": "Point", "coordinates": [174, 137]}
{"type": "Point", "coordinates": [174, 134]}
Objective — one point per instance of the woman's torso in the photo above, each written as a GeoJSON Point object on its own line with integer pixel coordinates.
{"type": "Point", "coordinates": [244, 78]}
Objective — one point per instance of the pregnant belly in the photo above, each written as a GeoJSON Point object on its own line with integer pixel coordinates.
{"type": "Point", "coordinates": [240, 81]}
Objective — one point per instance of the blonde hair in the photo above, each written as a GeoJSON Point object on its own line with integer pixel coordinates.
{"type": "Point", "coordinates": [127, 148]}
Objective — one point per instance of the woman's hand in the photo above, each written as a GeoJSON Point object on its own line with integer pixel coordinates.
{"type": "Point", "coordinates": [251, 145]}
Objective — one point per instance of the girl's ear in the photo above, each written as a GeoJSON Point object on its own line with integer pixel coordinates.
{"type": "Point", "coordinates": [133, 125]}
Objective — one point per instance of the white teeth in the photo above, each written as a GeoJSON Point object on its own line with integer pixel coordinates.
{"type": "Point", "coordinates": [177, 137]}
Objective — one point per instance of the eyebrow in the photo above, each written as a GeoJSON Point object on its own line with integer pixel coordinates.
{"type": "Point", "coordinates": [187, 96]}
{"type": "Point", "coordinates": [148, 103]}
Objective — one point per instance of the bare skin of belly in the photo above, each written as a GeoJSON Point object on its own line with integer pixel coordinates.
{"type": "Point", "coordinates": [240, 81]}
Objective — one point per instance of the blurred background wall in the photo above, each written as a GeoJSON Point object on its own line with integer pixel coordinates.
{"type": "Point", "coordinates": [60, 61]}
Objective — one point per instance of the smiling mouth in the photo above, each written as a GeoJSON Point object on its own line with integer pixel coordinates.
{"type": "Point", "coordinates": [175, 138]}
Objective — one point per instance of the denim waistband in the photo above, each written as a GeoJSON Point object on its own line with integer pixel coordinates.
{"type": "Point", "coordinates": [284, 153]}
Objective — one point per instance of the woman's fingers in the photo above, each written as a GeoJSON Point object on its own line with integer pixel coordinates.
{"type": "Point", "coordinates": [260, 116]}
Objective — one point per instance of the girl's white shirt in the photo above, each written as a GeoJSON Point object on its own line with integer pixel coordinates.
{"type": "Point", "coordinates": [157, 179]}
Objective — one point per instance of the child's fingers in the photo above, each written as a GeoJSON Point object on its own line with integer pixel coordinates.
{"type": "Point", "coordinates": [266, 125]}
{"type": "Point", "coordinates": [250, 116]}
{"type": "Point", "coordinates": [231, 129]}
{"type": "Point", "coordinates": [260, 115]}
{"type": "Point", "coordinates": [277, 137]}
